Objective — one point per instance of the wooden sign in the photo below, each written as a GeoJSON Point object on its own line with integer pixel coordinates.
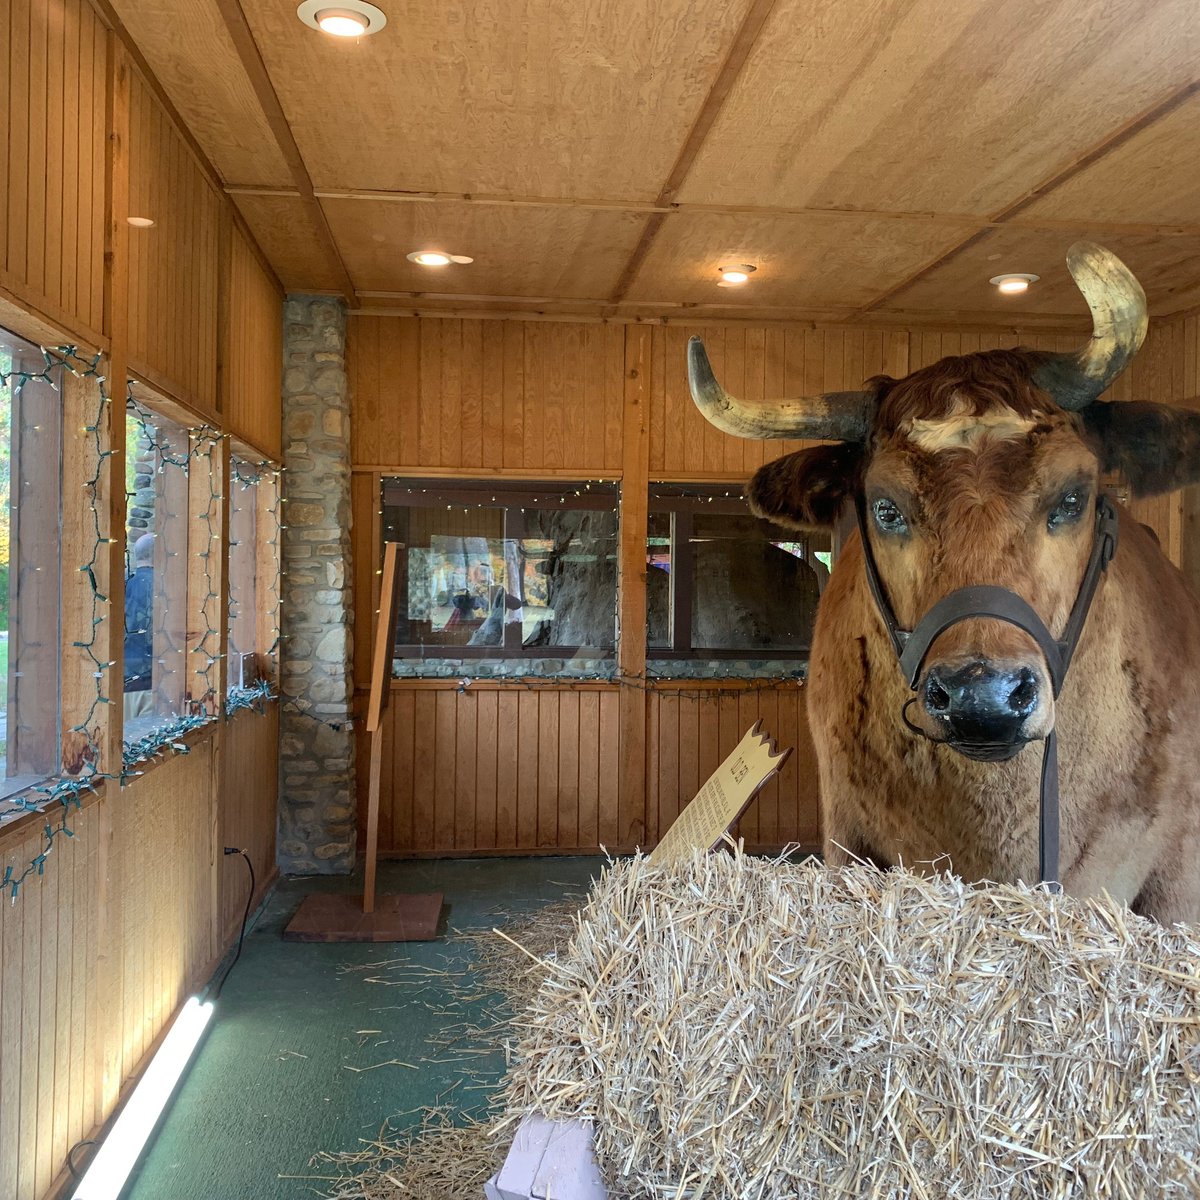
{"type": "Point", "coordinates": [724, 798]}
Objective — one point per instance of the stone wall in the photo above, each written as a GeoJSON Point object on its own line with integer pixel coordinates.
{"type": "Point", "coordinates": [140, 508]}
{"type": "Point", "coordinates": [317, 798]}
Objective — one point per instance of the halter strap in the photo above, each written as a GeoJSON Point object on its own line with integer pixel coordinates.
{"type": "Point", "coordinates": [982, 600]}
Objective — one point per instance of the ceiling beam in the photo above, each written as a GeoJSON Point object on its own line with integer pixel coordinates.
{"type": "Point", "coordinates": [971, 221]}
{"type": "Point", "coordinates": [743, 43]}
{"type": "Point", "coordinates": [1008, 214]}
{"type": "Point", "coordinates": [632, 314]}
{"type": "Point", "coordinates": [256, 71]}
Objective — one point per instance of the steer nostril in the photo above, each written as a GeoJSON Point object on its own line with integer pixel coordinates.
{"type": "Point", "coordinates": [1024, 696]}
{"type": "Point", "coordinates": [937, 699]}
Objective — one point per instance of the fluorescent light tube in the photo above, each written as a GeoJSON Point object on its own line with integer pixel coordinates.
{"type": "Point", "coordinates": [106, 1174]}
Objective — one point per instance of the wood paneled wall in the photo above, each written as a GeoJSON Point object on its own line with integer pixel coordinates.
{"type": "Point", "coordinates": [89, 141]}
{"type": "Point", "coordinates": [494, 767]}
{"type": "Point", "coordinates": [470, 395]}
{"type": "Point", "coordinates": [128, 919]}
{"type": "Point", "coordinates": [252, 349]}
{"type": "Point", "coordinates": [689, 735]}
{"type": "Point", "coordinates": [53, 63]}
{"type": "Point", "coordinates": [500, 766]}
{"type": "Point", "coordinates": [174, 265]}
{"type": "Point", "coordinates": [131, 913]}
{"type": "Point", "coordinates": [247, 807]}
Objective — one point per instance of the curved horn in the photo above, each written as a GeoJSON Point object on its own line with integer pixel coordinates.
{"type": "Point", "coordinates": [1119, 322]}
{"type": "Point", "coordinates": [835, 416]}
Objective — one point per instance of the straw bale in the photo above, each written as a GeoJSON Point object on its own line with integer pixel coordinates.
{"type": "Point", "coordinates": [738, 1028]}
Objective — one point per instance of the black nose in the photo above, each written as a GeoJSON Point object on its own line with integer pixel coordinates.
{"type": "Point", "coordinates": [978, 703]}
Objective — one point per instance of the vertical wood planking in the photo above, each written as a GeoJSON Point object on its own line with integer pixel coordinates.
{"type": "Point", "coordinates": [253, 358]}
{"type": "Point", "coordinates": [57, 1014]}
{"type": "Point", "coordinates": [173, 333]}
{"type": "Point", "coordinates": [526, 796]}
{"type": "Point", "coordinates": [466, 836]}
{"type": "Point", "coordinates": [631, 615]}
{"type": "Point", "coordinates": [486, 769]}
{"type": "Point", "coordinates": [52, 204]}
{"type": "Point", "coordinates": [477, 395]}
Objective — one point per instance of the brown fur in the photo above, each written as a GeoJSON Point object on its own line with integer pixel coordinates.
{"type": "Point", "coordinates": [1130, 710]}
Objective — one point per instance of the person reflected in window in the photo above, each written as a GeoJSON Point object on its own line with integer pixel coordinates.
{"type": "Point", "coordinates": [139, 629]}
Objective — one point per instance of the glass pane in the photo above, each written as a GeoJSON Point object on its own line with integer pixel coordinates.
{"type": "Point", "coordinates": [658, 581]}
{"type": "Point", "coordinates": [570, 569]}
{"type": "Point", "coordinates": [30, 540]}
{"type": "Point", "coordinates": [503, 579]}
{"type": "Point", "coordinates": [156, 571]}
{"type": "Point", "coordinates": [751, 591]}
{"type": "Point", "coordinates": [243, 563]}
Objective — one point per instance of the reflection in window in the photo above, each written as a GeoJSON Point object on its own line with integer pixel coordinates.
{"type": "Point", "coordinates": [510, 579]}
{"type": "Point", "coordinates": [30, 538]}
{"type": "Point", "coordinates": [156, 457]}
{"type": "Point", "coordinates": [727, 593]}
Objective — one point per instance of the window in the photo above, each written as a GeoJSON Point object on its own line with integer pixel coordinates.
{"type": "Point", "coordinates": [253, 572]}
{"type": "Point", "coordinates": [727, 593]}
{"type": "Point", "coordinates": [156, 570]}
{"type": "Point", "coordinates": [244, 668]}
{"type": "Point", "coordinates": [30, 564]}
{"type": "Point", "coordinates": [504, 579]}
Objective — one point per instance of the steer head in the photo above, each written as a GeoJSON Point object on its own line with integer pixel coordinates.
{"type": "Point", "coordinates": [983, 469]}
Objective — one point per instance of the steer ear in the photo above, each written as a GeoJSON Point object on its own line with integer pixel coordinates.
{"type": "Point", "coordinates": [1155, 447]}
{"type": "Point", "coordinates": [806, 490]}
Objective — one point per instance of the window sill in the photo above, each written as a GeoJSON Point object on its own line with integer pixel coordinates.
{"type": "Point", "coordinates": [166, 752]}
{"type": "Point", "coordinates": [16, 822]}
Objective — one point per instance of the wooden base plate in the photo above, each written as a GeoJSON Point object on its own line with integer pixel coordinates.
{"type": "Point", "coordinates": [339, 917]}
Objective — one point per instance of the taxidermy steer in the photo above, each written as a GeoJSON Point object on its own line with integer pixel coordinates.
{"type": "Point", "coordinates": [987, 470]}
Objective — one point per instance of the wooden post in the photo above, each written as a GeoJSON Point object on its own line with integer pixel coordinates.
{"type": "Point", "coordinates": [631, 641]}
{"type": "Point", "coordinates": [110, 896]}
{"type": "Point", "coordinates": [385, 624]}
{"type": "Point", "coordinates": [207, 488]}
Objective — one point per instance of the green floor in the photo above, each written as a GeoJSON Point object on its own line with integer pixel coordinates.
{"type": "Point", "coordinates": [270, 1085]}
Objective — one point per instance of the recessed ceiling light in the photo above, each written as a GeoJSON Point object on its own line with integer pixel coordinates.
{"type": "Point", "coordinates": [1011, 284]}
{"type": "Point", "coordinates": [347, 18]}
{"type": "Point", "coordinates": [735, 274]}
{"type": "Point", "coordinates": [437, 258]}
{"type": "Point", "coordinates": [140, 222]}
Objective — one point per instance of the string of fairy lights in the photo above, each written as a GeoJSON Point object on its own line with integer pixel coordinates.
{"type": "Point", "coordinates": [58, 799]}
{"type": "Point", "coordinates": [176, 450]}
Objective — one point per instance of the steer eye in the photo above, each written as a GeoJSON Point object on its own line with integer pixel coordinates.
{"type": "Point", "coordinates": [888, 517]}
{"type": "Point", "coordinates": [1069, 509]}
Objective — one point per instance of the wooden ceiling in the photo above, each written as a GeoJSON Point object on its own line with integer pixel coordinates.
{"type": "Point", "coordinates": [876, 160]}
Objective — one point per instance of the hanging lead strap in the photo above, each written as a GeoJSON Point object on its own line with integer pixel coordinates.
{"type": "Point", "coordinates": [1002, 605]}
{"type": "Point", "coordinates": [1048, 817]}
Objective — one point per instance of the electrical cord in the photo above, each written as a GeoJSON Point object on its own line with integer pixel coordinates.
{"type": "Point", "coordinates": [71, 1156]}
{"type": "Point", "coordinates": [245, 917]}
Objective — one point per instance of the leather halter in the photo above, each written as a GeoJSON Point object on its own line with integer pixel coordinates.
{"type": "Point", "coordinates": [912, 647]}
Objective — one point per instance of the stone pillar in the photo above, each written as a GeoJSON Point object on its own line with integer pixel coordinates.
{"type": "Point", "coordinates": [317, 798]}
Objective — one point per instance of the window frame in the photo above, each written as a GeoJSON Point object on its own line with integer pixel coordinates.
{"type": "Point", "coordinates": [399, 492]}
